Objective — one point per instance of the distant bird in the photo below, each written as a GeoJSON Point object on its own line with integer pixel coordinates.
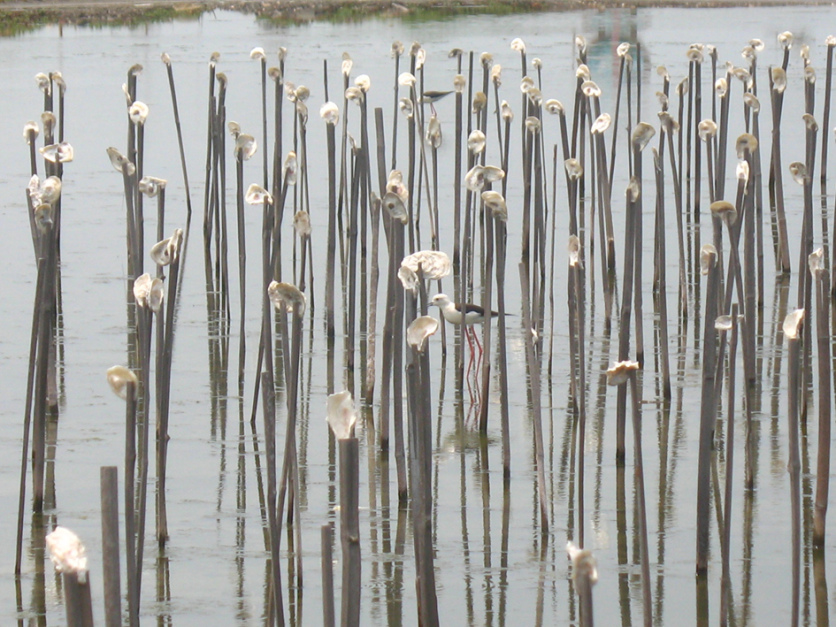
{"type": "Point", "coordinates": [431, 97]}
{"type": "Point", "coordinates": [473, 314]}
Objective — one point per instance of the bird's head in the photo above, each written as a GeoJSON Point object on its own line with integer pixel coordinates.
{"type": "Point", "coordinates": [440, 300]}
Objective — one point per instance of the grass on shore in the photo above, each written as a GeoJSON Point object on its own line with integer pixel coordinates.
{"type": "Point", "coordinates": [17, 22]}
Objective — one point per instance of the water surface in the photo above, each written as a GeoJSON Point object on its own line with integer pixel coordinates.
{"type": "Point", "coordinates": [216, 558]}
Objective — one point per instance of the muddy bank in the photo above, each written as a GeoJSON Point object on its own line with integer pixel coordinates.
{"type": "Point", "coordinates": [18, 15]}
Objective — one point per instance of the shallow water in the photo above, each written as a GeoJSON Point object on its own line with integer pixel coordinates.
{"type": "Point", "coordinates": [215, 560]}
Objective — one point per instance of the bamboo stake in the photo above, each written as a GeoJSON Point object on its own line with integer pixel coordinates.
{"type": "Point", "coordinates": [124, 382]}
{"type": "Point", "coordinates": [830, 42]}
{"type": "Point", "coordinates": [458, 237]}
{"type": "Point", "coordinates": [501, 240]}
{"type": "Point", "coordinates": [777, 84]}
{"type": "Point", "coordinates": [641, 136]}
{"type": "Point", "coordinates": [820, 277]}
{"type": "Point", "coordinates": [27, 414]}
{"type": "Point", "coordinates": [632, 194]}
{"type": "Point", "coordinates": [584, 576]}
{"type": "Point", "coordinates": [621, 51]}
{"type": "Point", "coordinates": [420, 426]}
{"type": "Point", "coordinates": [341, 418]}
{"type": "Point", "coordinates": [576, 309]}
{"type": "Point", "coordinates": [46, 326]}
{"type": "Point", "coordinates": [660, 262]}
{"type": "Point", "coordinates": [68, 554]}
{"type": "Point", "coordinates": [110, 546]}
{"type": "Point", "coordinates": [710, 267]}
{"type": "Point", "coordinates": [241, 149]}
{"type": "Point", "coordinates": [792, 327]}
{"type": "Point", "coordinates": [330, 114]}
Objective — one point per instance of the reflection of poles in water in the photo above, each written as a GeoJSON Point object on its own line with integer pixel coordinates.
{"type": "Point", "coordinates": [273, 515]}
{"type": "Point", "coordinates": [483, 472]}
{"type": "Point", "coordinates": [462, 450]}
{"type": "Point", "coordinates": [621, 544]}
{"type": "Point", "coordinates": [503, 552]}
{"type": "Point", "coordinates": [667, 467]}
{"type": "Point", "coordinates": [534, 383]}
{"type": "Point", "coordinates": [372, 478]}
{"type": "Point", "coordinates": [620, 374]}
{"type": "Point", "coordinates": [288, 297]}
{"type": "Point", "coordinates": [822, 615]}
{"type": "Point", "coordinates": [164, 589]}
{"type": "Point", "coordinates": [270, 252]}
{"type": "Point", "coordinates": [725, 584]}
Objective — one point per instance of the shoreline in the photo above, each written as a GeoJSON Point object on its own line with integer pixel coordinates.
{"type": "Point", "coordinates": [28, 14]}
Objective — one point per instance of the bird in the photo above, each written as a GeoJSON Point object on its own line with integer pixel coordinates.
{"type": "Point", "coordinates": [473, 314]}
{"type": "Point", "coordinates": [432, 96]}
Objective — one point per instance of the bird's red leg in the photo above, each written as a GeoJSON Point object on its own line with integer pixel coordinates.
{"type": "Point", "coordinates": [478, 343]}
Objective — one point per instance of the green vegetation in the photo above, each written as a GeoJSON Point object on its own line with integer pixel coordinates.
{"type": "Point", "coordinates": [345, 13]}
{"type": "Point", "coordinates": [21, 21]}
{"type": "Point", "coordinates": [18, 21]}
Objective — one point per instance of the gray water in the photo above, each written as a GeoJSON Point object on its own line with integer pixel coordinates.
{"type": "Point", "coordinates": [215, 559]}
